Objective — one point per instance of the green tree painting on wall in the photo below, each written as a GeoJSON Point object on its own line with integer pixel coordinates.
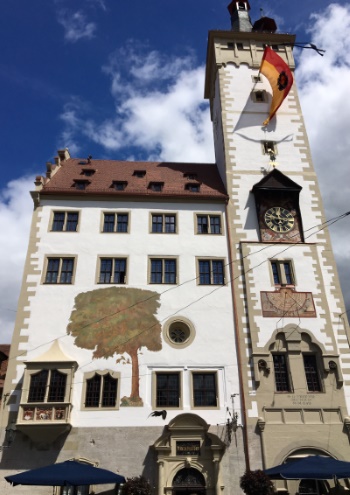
{"type": "Point", "coordinates": [117, 320]}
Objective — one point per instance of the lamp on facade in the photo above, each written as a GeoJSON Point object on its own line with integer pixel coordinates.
{"type": "Point", "coordinates": [10, 433]}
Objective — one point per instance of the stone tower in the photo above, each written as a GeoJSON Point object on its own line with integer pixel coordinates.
{"type": "Point", "coordinates": [294, 358]}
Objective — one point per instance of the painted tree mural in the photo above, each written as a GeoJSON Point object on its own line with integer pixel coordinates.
{"type": "Point", "coordinates": [117, 320]}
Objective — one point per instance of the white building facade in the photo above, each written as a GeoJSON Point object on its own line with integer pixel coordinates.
{"type": "Point", "coordinates": [126, 311]}
{"type": "Point", "coordinates": [182, 321]}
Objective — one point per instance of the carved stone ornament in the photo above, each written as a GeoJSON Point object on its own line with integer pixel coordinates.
{"type": "Point", "coordinates": [286, 302]}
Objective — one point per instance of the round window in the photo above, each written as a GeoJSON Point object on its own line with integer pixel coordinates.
{"type": "Point", "coordinates": [179, 332]}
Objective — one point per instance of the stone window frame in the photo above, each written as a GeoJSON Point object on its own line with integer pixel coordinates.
{"type": "Point", "coordinates": [205, 372]}
{"type": "Point", "coordinates": [163, 214]}
{"type": "Point", "coordinates": [61, 257]}
{"type": "Point", "coordinates": [163, 259]}
{"type": "Point", "coordinates": [210, 259]}
{"type": "Point", "coordinates": [183, 323]}
{"type": "Point", "coordinates": [281, 272]}
{"type": "Point", "coordinates": [208, 215]}
{"type": "Point", "coordinates": [115, 226]}
{"type": "Point", "coordinates": [167, 371]}
{"type": "Point", "coordinates": [112, 257]}
{"type": "Point", "coordinates": [90, 374]}
{"type": "Point", "coordinates": [66, 212]}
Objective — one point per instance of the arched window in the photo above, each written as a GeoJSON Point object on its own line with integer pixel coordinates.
{"type": "Point", "coordinates": [101, 391]}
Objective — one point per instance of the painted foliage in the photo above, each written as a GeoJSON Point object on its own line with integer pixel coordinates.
{"type": "Point", "coordinates": [117, 320]}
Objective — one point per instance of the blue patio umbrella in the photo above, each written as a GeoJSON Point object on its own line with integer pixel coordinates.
{"type": "Point", "coordinates": [68, 473]}
{"type": "Point", "coordinates": [313, 467]}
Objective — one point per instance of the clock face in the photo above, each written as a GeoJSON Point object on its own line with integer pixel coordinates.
{"type": "Point", "coordinates": [279, 219]}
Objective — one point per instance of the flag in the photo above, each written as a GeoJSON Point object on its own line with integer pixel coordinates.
{"type": "Point", "coordinates": [280, 78]}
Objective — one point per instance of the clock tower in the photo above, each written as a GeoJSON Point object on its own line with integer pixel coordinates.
{"type": "Point", "coordinates": [294, 357]}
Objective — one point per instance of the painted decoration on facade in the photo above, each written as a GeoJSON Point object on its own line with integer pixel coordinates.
{"type": "Point", "coordinates": [117, 320]}
{"type": "Point", "coordinates": [288, 303]}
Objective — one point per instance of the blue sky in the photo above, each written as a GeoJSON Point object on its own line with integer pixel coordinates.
{"type": "Point", "coordinates": [125, 80]}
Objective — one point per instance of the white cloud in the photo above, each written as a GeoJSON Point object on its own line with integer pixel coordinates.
{"type": "Point", "coordinates": [159, 108]}
{"type": "Point", "coordinates": [16, 208]}
{"type": "Point", "coordinates": [76, 26]}
{"type": "Point", "coordinates": [323, 86]}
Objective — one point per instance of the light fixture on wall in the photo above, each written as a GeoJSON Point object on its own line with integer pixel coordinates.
{"type": "Point", "coordinates": [10, 433]}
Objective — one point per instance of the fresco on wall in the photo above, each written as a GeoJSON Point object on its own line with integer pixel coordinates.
{"type": "Point", "coordinates": [114, 321]}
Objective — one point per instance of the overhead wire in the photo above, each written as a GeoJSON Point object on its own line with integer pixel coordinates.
{"type": "Point", "coordinates": [322, 226]}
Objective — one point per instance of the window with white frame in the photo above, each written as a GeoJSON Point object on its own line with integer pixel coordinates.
{"type": "Point", "coordinates": [65, 221]}
{"type": "Point", "coordinates": [115, 222]}
{"type": "Point", "coordinates": [59, 270]}
{"type": "Point", "coordinates": [112, 271]}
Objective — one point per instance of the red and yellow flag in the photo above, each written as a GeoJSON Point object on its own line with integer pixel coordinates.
{"type": "Point", "coordinates": [280, 78]}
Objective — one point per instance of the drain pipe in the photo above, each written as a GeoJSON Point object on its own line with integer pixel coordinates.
{"type": "Point", "coordinates": [238, 346]}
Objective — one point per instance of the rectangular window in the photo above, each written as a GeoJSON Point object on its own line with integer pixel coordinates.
{"type": "Point", "coordinates": [163, 223]}
{"type": "Point", "coordinates": [258, 96]}
{"type": "Point", "coordinates": [65, 221]}
{"type": "Point", "coordinates": [115, 222]}
{"type": "Point", "coordinates": [163, 271]}
{"type": "Point", "coordinates": [311, 373]}
{"type": "Point", "coordinates": [101, 391]}
{"type": "Point", "coordinates": [204, 390]}
{"type": "Point", "coordinates": [281, 373]}
{"type": "Point", "coordinates": [282, 272]}
{"type": "Point", "coordinates": [167, 390]}
{"type": "Point", "coordinates": [59, 271]}
{"type": "Point", "coordinates": [47, 386]}
{"type": "Point", "coordinates": [211, 272]}
{"type": "Point", "coordinates": [156, 186]}
{"type": "Point", "coordinates": [208, 224]}
{"type": "Point", "coordinates": [112, 271]}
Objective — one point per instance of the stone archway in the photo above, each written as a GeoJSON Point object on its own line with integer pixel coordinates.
{"type": "Point", "coordinates": [189, 481]}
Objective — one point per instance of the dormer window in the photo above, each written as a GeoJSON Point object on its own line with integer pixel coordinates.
{"type": "Point", "coordinates": [192, 187]}
{"type": "Point", "coordinates": [156, 186]}
{"type": "Point", "coordinates": [88, 172]}
{"type": "Point", "coordinates": [139, 173]}
{"type": "Point", "coordinates": [119, 185]}
{"type": "Point", "coordinates": [190, 176]}
{"type": "Point", "coordinates": [81, 185]}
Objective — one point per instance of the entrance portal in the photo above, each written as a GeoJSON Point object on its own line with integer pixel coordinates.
{"type": "Point", "coordinates": [189, 481]}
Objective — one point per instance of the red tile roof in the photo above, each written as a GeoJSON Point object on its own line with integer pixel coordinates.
{"type": "Point", "coordinates": [171, 175]}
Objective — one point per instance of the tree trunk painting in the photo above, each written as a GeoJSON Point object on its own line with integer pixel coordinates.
{"type": "Point", "coordinates": [117, 321]}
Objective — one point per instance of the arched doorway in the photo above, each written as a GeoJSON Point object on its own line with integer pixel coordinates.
{"type": "Point", "coordinates": [188, 481]}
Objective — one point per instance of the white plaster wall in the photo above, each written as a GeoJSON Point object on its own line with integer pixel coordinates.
{"type": "Point", "coordinates": [209, 308]}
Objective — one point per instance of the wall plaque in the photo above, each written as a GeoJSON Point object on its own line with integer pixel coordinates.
{"type": "Point", "coordinates": [187, 448]}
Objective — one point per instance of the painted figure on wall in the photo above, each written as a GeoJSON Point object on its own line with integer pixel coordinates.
{"type": "Point", "coordinates": [117, 320]}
